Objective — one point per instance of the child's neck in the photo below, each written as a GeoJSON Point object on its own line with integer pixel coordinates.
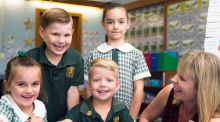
{"type": "Point", "coordinates": [52, 58]}
{"type": "Point", "coordinates": [115, 43]}
{"type": "Point", "coordinates": [28, 110]}
{"type": "Point", "coordinates": [102, 107]}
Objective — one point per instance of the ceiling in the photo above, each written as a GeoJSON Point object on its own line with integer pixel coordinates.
{"type": "Point", "coordinates": [96, 3]}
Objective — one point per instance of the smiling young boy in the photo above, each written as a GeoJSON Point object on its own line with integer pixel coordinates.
{"type": "Point", "coordinates": [101, 106]}
{"type": "Point", "coordinates": [62, 66]}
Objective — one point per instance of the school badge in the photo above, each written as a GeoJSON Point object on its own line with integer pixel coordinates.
{"type": "Point", "coordinates": [89, 113]}
{"type": "Point", "coordinates": [70, 71]}
{"type": "Point", "coordinates": [116, 119]}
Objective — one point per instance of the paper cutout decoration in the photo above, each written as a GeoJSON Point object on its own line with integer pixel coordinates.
{"type": "Point", "coordinates": [28, 24]}
{"type": "Point", "coordinates": [1, 55]}
{"type": "Point", "coordinates": [28, 42]}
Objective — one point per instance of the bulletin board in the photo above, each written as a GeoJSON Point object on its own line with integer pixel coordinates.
{"type": "Point", "coordinates": [146, 29]}
{"type": "Point", "coordinates": [186, 25]}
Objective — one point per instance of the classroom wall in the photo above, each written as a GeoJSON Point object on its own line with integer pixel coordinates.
{"type": "Point", "coordinates": [17, 26]}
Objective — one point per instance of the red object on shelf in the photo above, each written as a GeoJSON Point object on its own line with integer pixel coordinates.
{"type": "Point", "coordinates": [147, 57]}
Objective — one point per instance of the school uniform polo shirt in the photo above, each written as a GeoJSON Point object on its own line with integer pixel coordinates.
{"type": "Point", "coordinates": [58, 79]}
{"type": "Point", "coordinates": [132, 66]}
{"type": "Point", "coordinates": [85, 112]}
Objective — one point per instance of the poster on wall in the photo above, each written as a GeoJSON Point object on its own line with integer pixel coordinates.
{"type": "Point", "coordinates": [212, 45]}
{"type": "Point", "coordinates": [212, 40]}
{"type": "Point", "coordinates": [146, 29]}
{"type": "Point", "coordinates": [186, 25]}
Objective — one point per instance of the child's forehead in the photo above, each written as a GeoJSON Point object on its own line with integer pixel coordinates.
{"type": "Point", "coordinates": [102, 68]}
{"type": "Point", "coordinates": [119, 11]}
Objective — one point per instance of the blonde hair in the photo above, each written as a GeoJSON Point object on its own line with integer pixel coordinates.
{"type": "Point", "coordinates": [204, 69]}
{"type": "Point", "coordinates": [103, 63]}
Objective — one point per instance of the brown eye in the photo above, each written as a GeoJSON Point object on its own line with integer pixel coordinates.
{"type": "Point", "coordinates": [110, 80]}
{"type": "Point", "coordinates": [95, 80]}
{"type": "Point", "coordinates": [109, 21]}
{"type": "Point", "coordinates": [121, 22]}
{"type": "Point", "coordinates": [21, 84]}
{"type": "Point", "coordinates": [36, 84]}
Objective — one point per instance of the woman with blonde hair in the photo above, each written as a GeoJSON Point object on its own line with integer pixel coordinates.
{"type": "Point", "coordinates": [193, 94]}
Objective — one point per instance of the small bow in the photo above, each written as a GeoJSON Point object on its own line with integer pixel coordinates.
{"type": "Point", "coordinates": [22, 54]}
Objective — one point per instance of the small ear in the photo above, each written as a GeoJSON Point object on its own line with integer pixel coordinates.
{"type": "Point", "coordinates": [128, 25]}
{"type": "Point", "coordinates": [88, 85]}
{"type": "Point", "coordinates": [118, 85]}
{"type": "Point", "coordinates": [41, 32]}
{"type": "Point", "coordinates": [7, 85]}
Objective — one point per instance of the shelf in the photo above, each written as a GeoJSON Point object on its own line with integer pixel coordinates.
{"type": "Point", "coordinates": [152, 89]}
{"type": "Point", "coordinates": [165, 76]}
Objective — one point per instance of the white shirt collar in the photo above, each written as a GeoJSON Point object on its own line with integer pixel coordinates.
{"type": "Point", "coordinates": [39, 109]}
{"type": "Point", "coordinates": [126, 47]}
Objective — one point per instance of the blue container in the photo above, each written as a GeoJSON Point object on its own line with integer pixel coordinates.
{"type": "Point", "coordinates": [154, 61]}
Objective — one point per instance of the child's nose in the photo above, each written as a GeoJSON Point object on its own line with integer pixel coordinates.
{"type": "Point", "coordinates": [103, 83]}
{"type": "Point", "coordinates": [116, 25]}
{"type": "Point", "coordinates": [29, 89]}
{"type": "Point", "coordinates": [61, 39]}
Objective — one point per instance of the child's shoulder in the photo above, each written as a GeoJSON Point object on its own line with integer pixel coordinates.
{"type": "Point", "coordinates": [118, 105]}
{"type": "Point", "coordinates": [4, 102]}
{"type": "Point", "coordinates": [130, 48]}
{"type": "Point", "coordinates": [5, 106]}
{"type": "Point", "coordinates": [76, 109]}
{"type": "Point", "coordinates": [34, 52]}
{"type": "Point", "coordinates": [72, 52]}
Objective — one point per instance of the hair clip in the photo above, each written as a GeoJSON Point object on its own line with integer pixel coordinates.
{"type": "Point", "coordinates": [22, 54]}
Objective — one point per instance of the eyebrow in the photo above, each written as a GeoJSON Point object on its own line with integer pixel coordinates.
{"type": "Point", "coordinates": [117, 19]}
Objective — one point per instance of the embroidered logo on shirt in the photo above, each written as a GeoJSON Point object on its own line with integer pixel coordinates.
{"type": "Point", "coordinates": [89, 113]}
{"type": "Point", "coordinates": [116, 119]}
{"type": "Point", "coordinates": [70, 71]}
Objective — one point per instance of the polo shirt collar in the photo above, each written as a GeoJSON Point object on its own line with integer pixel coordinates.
{"type": "Point", "coordinates": [88, 109]}
{"type": "Point", "coordinates": [43, 58]}
{"type": "Point", "coordinates": [67, 59]}
{"type": "Point", "coordinates": [126, 47]}
{"type": "Point", "coordinates": [23, 116]}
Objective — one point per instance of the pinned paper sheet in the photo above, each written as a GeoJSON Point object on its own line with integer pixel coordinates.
{"type": "Point", "coordinates": [212, 45]}
{"type": "Point", "coordinates": [212, 40]}
{"type": "Point", "coordinates": [213, 29]}
{"type": "Point", "coordinates": [213, 14]}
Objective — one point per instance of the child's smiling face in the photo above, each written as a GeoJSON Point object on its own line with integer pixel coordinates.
{"type": "Point", "coordinates": [25, 86]}
{"type": "Point", "coordinates": [103, 84]}
{"type": "Point", "coordinates": [58, 37]}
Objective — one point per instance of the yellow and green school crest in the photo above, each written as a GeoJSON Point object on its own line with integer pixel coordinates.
{"type": "Point", "coordinates": [70, 71]}
{"type": "Point", "coordinates": [89, 113]}
{"type": "Point", "coordinates": [116, 119]}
